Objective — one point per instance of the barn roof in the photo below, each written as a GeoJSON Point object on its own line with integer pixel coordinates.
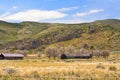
{"type": "Point", "coordinates": [87, 54]}
{"type": "Point", "coordinates": [11, 55]}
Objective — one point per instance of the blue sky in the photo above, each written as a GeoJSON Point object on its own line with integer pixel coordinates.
{"type": "Point", "coordinates": [59, 11]}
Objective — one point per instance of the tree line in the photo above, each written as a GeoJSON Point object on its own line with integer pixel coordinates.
{"type": "Point", "coordinates": [54, 52]}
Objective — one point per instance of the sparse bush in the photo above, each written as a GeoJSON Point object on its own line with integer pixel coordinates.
{"type": "Point", "coordinates": [10, 71]}
{"type": "Point", "coordinates": [35, 74]}
{"type": "Point", "coordinates": [91, 31]}
{"type": "Point", "coordinates": [100, 66]}
{"type": "Point", "coordinates": [112, 68]}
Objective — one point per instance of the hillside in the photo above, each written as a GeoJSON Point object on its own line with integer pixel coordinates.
{"type": "Point", "coordinates": [102, 34]}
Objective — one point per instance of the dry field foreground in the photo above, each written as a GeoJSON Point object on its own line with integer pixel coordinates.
{"type": "Point", "coordinates": [37, 69]}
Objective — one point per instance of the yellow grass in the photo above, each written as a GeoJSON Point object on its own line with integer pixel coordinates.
{"type": "Point", "coordinates": [43, 69]}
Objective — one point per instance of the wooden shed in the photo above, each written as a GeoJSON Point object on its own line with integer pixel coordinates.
{"type": "Point", "coordinates": [76, 56]}
{"type": "Point", "coordinates": [10, 56]}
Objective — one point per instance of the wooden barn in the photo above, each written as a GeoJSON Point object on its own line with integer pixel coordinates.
{"type": "Point", "coordinates": [73, 56]}
{"type": "Point", "coordinates": [10, 56]}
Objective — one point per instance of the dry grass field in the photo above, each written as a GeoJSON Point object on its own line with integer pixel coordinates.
{"type": "Point", "coordinates": [44, 69]}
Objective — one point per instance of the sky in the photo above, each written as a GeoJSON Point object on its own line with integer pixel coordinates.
{"type": "Point", "coordinates": [59, 11]}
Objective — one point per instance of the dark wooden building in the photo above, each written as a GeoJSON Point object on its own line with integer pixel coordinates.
{"type": "Point", "coordinates": [10, 56]}
{"type": "Point", "coordinates": [77, 56]}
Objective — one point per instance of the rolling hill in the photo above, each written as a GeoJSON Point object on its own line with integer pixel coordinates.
{"type": "Point", "coordinates": [102, 34]}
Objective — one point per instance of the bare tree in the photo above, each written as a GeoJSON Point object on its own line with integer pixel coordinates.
{"type": "Point", "coordinates": [51, 52]}
{"type": "Point", "coordinates": [48, 52]}
{"type": "Point", "coordinates": [83, 51]}
{"type": "Point", "coordinates": [100, 53]}
{"type": "Point", "coordinates": [24, 52]}
{"type": "Point", "coordinates": [39, 54]}
{"type": "Point", "coordinates": [70, 49]}
{"type": "Point", "coordinates": [105, 53]}
{"type": "Point", "coordinates": [85, 46]}
{"type": "Point", "coordinates": [97, 53]}
{"type": "Point", "coordinates": [60, 51]}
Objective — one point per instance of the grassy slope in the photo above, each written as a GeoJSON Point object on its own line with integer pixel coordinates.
{"type": "Point", "coordinates": [8, 31]}
{"type": "Point", "coordinates": [18, 31]}
{"type": "Point", "coordinates": [102, 40]}
{"type": "Point", "coordinates": [107, 35]}
{"type": "Point", "coordinates": [103, 34]}
{"type": "Point", "coordinates": [31, 28]}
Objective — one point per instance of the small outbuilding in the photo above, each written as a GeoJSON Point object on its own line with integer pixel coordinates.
{"type": "Point", "coordinates": [77, 56]}
{"type": "Point", "coordinates": [10, 56]}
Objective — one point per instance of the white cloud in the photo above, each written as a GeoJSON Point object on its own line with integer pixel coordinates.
{"type": "Point", "coordinates": [68, 9]}
{"type": "Point", "coordinates": [72, 21]}
{"type": "Point", "coordinates": [14, 7]}
{"type": "Point", "coordinates": [33, 15]}
{"type": "Point", "coordinates": [95, 11]}
{"type": "Point", "coordinates": [89, 12]}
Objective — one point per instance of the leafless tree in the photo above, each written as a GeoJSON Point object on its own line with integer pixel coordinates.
{"type": "Point", "coordinates": [39, 54]}
{"type": "Point", "coordinates": [60, 51]}
{"type": "Point", "coordinates": [105, 53]}
{"type": "Point", "coordinates": [85, 46]}
{"type": "Point", "coordinates": [70, 49]}
{"type": "Point", "coordinates": [24, 52]}
{"type": "Point", "coordinates": [100, 53]}
{"type": "Point", "coordinates": [83, 51]}
{"type": "Point", "coordinates": [97, 53]}
{"type": "Point", "coordinates": [51, 52]}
